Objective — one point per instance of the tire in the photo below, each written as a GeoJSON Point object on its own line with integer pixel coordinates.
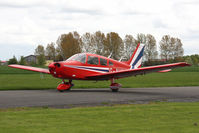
{"type": "Point", "coordinates": [68, 89]}
{"type": "Point", "coordinates": [114, 90]}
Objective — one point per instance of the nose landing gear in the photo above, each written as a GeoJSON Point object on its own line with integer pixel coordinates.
{"type": "Point", "coordinates": [65, 86]}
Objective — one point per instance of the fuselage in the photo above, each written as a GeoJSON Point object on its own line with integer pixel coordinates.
{"type": "Point", "coordinates": [85, 64]}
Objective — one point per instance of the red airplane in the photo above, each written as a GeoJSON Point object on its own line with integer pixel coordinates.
{"type": "Point", "coordinates": [85, 66]}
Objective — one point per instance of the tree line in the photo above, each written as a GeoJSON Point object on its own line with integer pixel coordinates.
{"type": "Point", "coordinates": [111, 44]}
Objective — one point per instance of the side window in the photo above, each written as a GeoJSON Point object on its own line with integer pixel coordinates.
{"type": "Point", "coordinates": [92, 60]}
{"type": "Point", "coordinates": [110, 63]}
{"type": "Point", "coordinates": [103, 62]}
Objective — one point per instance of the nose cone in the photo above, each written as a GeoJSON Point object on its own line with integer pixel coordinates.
{"type": "Point", "coordinates": [51, 67]}
{"type": "Point", "coordinates": [54, 69]}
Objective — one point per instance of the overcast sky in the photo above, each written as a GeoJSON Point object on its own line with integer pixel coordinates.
{"type": "Point", "coordinates": [26, 23]}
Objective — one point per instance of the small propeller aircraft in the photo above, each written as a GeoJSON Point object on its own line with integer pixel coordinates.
{"type": "Point", "coordinates": [86, 66]}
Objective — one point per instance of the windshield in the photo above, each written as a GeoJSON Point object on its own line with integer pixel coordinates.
{"type": "Point", "coordinates": [78, 57]}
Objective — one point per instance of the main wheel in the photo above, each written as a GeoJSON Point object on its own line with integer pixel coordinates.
{"type": "Point", "coordinates": [114, 90]}
{"type": "Point", "coordinates": [115, 87]}
{"type": "Point", "coordinates": [60, 90]}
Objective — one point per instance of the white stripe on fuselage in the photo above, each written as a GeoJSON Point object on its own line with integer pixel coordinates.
{"type": "Point", "coordinates": [93, 69]}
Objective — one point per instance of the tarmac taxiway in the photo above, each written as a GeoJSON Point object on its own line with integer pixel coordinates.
{"type": "Point", "coordinates": [95, 97]}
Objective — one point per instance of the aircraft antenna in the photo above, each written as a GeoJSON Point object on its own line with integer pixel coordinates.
{"type": "Point", "coordinates": [121, 59]}
{"type": "Point", "coordinates": [110, 55]}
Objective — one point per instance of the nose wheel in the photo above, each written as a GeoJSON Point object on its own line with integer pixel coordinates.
{"type": "Point", "coordinates": [65, 86]}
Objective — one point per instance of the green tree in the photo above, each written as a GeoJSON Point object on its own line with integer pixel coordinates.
{"type": "Point", "coordinates": [166, 47]}
{"type": "Point", "coordinates": [130, 44]}
{"type": "Point", "coordinates": [150, 50]}
{"type": "Point", "coordinates": [40, 53]}
{"type": "Point", "coordinates": [13, 60]}
{"type": "Point", "coordinates": [99, 40]}
{"type": "Point", "coordinates": [141, 38]}
{"type": "Point", "coordinates": [69, 44]}
{"type": "Point", "coordinates": [22, 61]}
{"type": "Point", "coordinates": [51, 51]}
{"type": "Point", "coordinates": [195, 59]}
{"type": "Point", "coordinates": [171, 47]}
{"type": "Point", "coordinates": [58, 54]}
{"type": "Point", "coordinates": [188, 59]}
{"type": "Point", "coordinates": [178, 50]}
{"type": "Point", "coordinates": [87, 44]}
{"type": "Point", "coordinates": [114, 45]}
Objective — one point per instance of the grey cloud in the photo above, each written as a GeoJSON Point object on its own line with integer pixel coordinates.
{"type": "Point", "coordinates": [81, 11]}
{"type": "Point", "coordinates": [186, 3]}
{"type": "Point", "coordinates": [159, 24]}
{"type": "Point", "coordinates": [191, 35]}
{"type": "Point", "coordinates": [8, 50]}
{"type": "Point", "coordinates": [135, 13]}
{"type": "Point", "coordinates": [61, 28]}
{"type": "Point", "coordinates": [179, 6]}
{"type": "Point", "coordinates": [57, 8]}
{"type": "Point", "coordinates": [26, 4]}
{"type": "Point", "coordinates": [16, 5]}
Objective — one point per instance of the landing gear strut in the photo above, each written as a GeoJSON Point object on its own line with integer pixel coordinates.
{"type": "Point", "coordinates": [65, 86]}
{"type": "Point", "coordinates": [115, 86]}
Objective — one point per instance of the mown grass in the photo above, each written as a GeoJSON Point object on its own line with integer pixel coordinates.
{"type": "Point", "coordinates": [142, 118]}
{"type": "Point", "coordinates": [9, 70]}
{"type": "Point", "coordinates": [31, 80]}
{"type": "Point", "coordinates": [35, 81]}
{"type": "Point", "coordinates": [187, 69]}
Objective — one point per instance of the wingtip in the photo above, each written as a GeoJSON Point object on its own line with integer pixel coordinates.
{"type": "Point", "coordinates": [187, 64]}
{"type": "Point", "coordinates": [12, 65]}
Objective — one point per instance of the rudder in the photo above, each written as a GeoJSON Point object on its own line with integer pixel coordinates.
{"type": "Point", "coordinates": [136, 59]}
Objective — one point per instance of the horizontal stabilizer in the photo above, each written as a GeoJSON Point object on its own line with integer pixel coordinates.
{"type": "Point", "coordinates": [164, 71]}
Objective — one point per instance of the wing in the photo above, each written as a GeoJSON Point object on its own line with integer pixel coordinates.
{"type": "Point", "coordinates": [134, 72]}
{"type": "Point", "coordinates": [35, 69]}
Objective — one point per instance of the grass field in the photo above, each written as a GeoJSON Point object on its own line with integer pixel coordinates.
{"type": "Point", "coordinates": [187, 69]}
{"type": "Point", "coordinates": [14, 79]}
{"type": "Point", "coordinates": [141, 118]}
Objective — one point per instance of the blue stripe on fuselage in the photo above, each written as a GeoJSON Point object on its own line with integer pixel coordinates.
{"type": "Point", "coordinates": [92, 69]}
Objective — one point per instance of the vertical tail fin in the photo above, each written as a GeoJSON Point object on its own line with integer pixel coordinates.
{"type": "Point", "coordinates": [136, 59]}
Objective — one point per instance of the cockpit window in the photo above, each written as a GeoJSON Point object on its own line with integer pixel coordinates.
{"type": "Point", "coordinates": [103, 62]}
{"type": "Point", "coordinates": [110, 63]}
{"type": "Point", "coordinates": [92, 60]}
{"type": "Point", "coordinates": [78, 57]}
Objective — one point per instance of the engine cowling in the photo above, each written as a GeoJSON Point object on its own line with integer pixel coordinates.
{"type": "Point", "coordinates": [55, 69]}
